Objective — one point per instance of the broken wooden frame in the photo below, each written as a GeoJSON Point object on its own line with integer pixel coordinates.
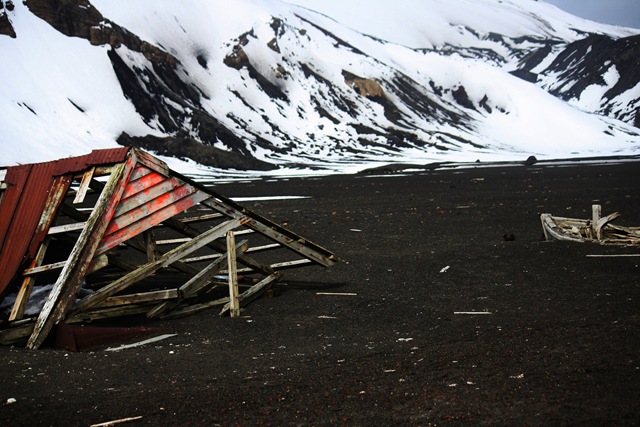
{"type": "Point", "coordinates": [147, 218]}
{"type": "Point", "coordinates": [598, 229]}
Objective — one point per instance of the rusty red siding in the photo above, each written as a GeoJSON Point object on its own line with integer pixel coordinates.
{"type": "Point", "coordinates": [23, 201]}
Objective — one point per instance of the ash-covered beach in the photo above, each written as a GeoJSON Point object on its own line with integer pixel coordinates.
{"type": "Point", "coordinates": [446, 308]}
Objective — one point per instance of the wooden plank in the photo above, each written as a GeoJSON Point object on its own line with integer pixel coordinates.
{"type": "Point", "coordinates": [254, 291]}
{"type": "Point", "coordinates": [24, 293]}
{"type": "Point", "coordinates": [140, 171]}
{"type": "Point", "coordinates": [201, 218]}
{"type": "Point", "coordinates": [614, 256]}
{"type": "Point", "coordinates": [152, 162]}
{"type": "Point", "coordinates": [201, 258]}
{"type": "Point", "coordinates": [100, 313]}
{"type": "Point", "coordinates": [72, 275]}
{"type": "Point", "coordinates": [195, 284]}
{"type": "Point", "coordinates": [42, 268]}
{"type": "Point", "coordinates": [195, 308]}
{"type": "Point", "coordinates": [234, 304]}
{"type": "Point", "coordinates": [147, 195]}
{"type": "Point", "coordinates": [272, 230]}
{"type": "Point", "coordinates": [16, 333]}
{"type": "Point", "coordinates": [165, 294]}
{"type": "Point", "coordinates": [150, 243]}
{"type": "Point", "coordinates": [187, 230]}
{"type": "Point", "coordinates": [147, 222]}
{"type": "Point", "coordinates": [172, 241]}
{"type": "Point", "coordinates": [58, 229]}
{"type": "Point", "coordinates": [147, 181]}
{"type": "Point", "coordinates": [596, 214]}
{"type": "Point", "coordinates": [278, 266]}
{"type": "Point", "coordinates": [144, 207]}
{"type": "Point", "coordinates": [84, 186]}
{"type": "Point", "coordinates": [264, 248]}
{"type": "Point", "coordinates": [148, 269]}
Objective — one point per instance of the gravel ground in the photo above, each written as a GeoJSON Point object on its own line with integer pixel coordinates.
{"type": "Point", "coordinates": [384, 337]}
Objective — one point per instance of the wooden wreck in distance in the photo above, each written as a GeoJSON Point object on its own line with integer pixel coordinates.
{"type": "Point", "coordinates": [598, 229]}
{"type": "Point", "coordinates": [54, 230]}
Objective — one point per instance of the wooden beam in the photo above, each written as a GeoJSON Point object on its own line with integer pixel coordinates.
{"type": "Point", "coordinates": [27, 284]}
{"type": "Point", "coordinates": [201, 218]}
{"type": "Point", "coordinates": [148, 269]}
{"type": "Point", "coordinates": [254, 291]}
{"type": "Point", "coordinates": [72, 275]}
{"type": "Point", "coordinates": [84, 186]}
{"type": "Point", "coordinates": [66, 228]}
{"type": "Point", "coordinates": [195, 284]}
{"type": "Point", "coordinates": [187, 230]}
{"type": "Point", "coordinates": [234, 304]}
{"type": "Point", "coordinates": [272, 230]}
{"type": "Point", "coordinates": [166, 294]}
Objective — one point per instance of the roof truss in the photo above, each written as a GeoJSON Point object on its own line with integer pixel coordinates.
{"type": "Point", "coordinates": [116, 226]}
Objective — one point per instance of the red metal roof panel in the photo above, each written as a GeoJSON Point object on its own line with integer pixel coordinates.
{"type": "Point", "coordinates": [23, 200]}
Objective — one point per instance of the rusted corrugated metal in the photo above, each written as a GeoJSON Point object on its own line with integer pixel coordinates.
{"type": "Point", "coordinates": [24, 199]}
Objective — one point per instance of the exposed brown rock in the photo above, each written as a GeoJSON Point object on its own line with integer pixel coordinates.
{"type": "Point", "coordinates": [78, 18]}
{"type": "Point", "coordinates": [368, 88]}
{"type": "Point", "coordinates": [237, 59]}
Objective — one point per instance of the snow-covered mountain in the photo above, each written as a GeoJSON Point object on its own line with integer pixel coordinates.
{"type": "Point", "coordinates": [261, 84]}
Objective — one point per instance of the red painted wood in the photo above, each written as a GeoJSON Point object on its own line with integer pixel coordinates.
{"type": "Point", "coordinates": [149, 221]}
{"type": "Point", "coordinates": [134, 187]}
{"type": "Point", "coordinates": [146, 208]}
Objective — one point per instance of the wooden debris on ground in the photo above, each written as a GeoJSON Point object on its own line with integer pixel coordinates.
{"type": "Point", "coordinates": [135, 238]}
{"type": "Point", "coordinates": [598, 229]}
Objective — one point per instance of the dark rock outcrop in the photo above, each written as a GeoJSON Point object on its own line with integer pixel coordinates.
{"type": "Point", "coordinates": [187, 148]}
{"type": "Point", "coordinates": [78, 18]}
{"type": "Point", "coordinates": [5, 25]}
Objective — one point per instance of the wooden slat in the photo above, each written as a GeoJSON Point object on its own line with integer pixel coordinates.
{"type": "Point", "coordinates": [145, 207]}
{"type": "Point", "coordinates": [148, 195]}
{"type": "Point", "coordinates": [84, 186]}
{"type": "Point", "coordinates": [147, 181]}
{"type": "Point", "coordinates": [165, 294]}
{"type": "Point", "coordinates": [148, 269]}
{"type": "Point", "coordinates": [281, 265]}
{"type": "Point", "coordinates": [24, 293]}
{"type": "Point", "coordinates": [140, 171]}
{"type": "Point", "coordinates": [32, 271]}
{"type": "Point", "coordinates": [201, 218]}
{"type": "Point", "coordinates": [272, 230]}
{"type": "Point", "coordinates": [154, 219]}
{"type": "Point", "coordinates": [187, 230]}
{"type": "Point", "coordinates": [234, 304]}
{"type": "Point", "coordinates": [253, 291]}
{"type": "Point", "coordinates": [58, 229]}
{"type": "Point", "coordinates": [264, 248]}
{"type": "Point", "coordinates": [195, 284]}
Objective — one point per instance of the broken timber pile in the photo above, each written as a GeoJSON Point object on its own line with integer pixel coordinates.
{"type": "Point", "coordinates": [98, 255]}
{"type": "Point", "coordinates": [598, 229]}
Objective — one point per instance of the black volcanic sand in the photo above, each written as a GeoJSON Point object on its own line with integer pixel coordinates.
{"type": "Point", "coordinates": [560, 346]}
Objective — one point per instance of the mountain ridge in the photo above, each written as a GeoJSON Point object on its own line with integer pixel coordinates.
{"type": "Point", "coordinates": [276, 85]}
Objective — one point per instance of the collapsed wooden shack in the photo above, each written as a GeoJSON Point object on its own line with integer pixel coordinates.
{"type": "Point", "coordinates": [97, 229]}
